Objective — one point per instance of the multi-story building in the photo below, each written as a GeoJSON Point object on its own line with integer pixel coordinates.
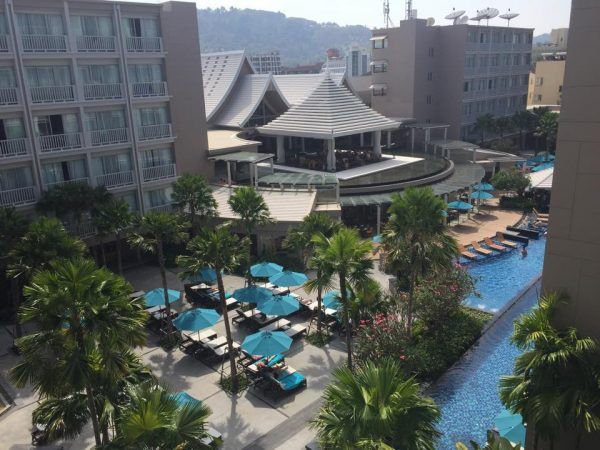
{"type": "Point", "coordinates": [98, 92]}
{"type": "Point", "coordinates": [267, 62]}
{"type": "Point", "coordinates": [450, 74]}
{"type": "Point", "coordinates": [358, 60]}
{"type": "Point", "coordinates": [546, 80]}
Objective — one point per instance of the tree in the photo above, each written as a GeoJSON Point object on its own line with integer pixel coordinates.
{"type": "Point", "coordinates": [86, 323]}
{"type": "Point", "coordinates": [503, 124]}
{"type": "Point", "coordinates": [417, 239]}
{"type": "Point", "coordinates": [494, 442]}
{"type": "Point", "coordinates": [537, 114]}
{"type": "Point", "coordinates": [220, 250]}
{"type": "Point", "coordinates": [376, 406]}
{"type": "Point", "coordinates": [511, 180]}
{"type": "Point", "coordinates": [556, 381]}
{"type": "Point", "coordinates": [12, 227]}
{"type": "Point", "coordinates": [154, 231]}
{"type": "Point", "coordinates": [346, 255]}
{"type": "Point", "coordinates": [483, 124]}
{"type": "Point", "coordinates": [547, 127]}
{"type": "Point", "coordinates": [191, 193]}
{"type": "Point", "coordinates": [522, 121]}
{"type": "Point", "coordinates": [114, 217]}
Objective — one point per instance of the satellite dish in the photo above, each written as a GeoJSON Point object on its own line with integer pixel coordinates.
{"type": "Point", "coordinates": [430, 21]}
{"type": "Point", "coordinates": [479, 17]}
{"type": "Point", "coordinates": [489, 13]}
{"type": "Point", "coordinates": [454, 16]}
{"type": "Point", "coordinates": [463, 20]}
{"type": "Point", "coordinates": [509, 16]}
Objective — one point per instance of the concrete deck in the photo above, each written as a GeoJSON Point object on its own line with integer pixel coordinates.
{"type": "Point", "coordinates": [479, 226]}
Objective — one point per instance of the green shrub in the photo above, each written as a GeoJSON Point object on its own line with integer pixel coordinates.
{"type": "Point", "coordinates": [519, 203]}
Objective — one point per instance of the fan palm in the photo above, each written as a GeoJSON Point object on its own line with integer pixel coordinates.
{"type": "Point", "coordinates": [483, 124]}
{"type": "Point", "coordinates": [346, 255]}
{"type": "Point", "coordinates": [114, 217]}
{"type": "Point", "coordinates": [523, 121]}
{"type": "Point", "coordinates": [86, 323]}
{"type": "Point", "coordinates": [536, 116]}
{"type": "Point", "coordinates": [503, 124]}
{"type": "Point", "coordinates": [547, 127]}
{"type": "Point", "coordinates": [375, 405]}
{"type": "Point", "coordinates": [154, 231]}
{"type": "Point", "coordinates": [192, 193]}
{"type": "Point", "coordinates": [220, 250]}
{"type": "Point", "coordinates": [416, 238]}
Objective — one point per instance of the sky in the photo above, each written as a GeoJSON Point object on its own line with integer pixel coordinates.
{"type": "Point", "coordinates": [543, 15]}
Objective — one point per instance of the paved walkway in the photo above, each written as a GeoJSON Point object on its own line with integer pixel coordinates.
{"type": "Point", "coordinates": [479, 226]}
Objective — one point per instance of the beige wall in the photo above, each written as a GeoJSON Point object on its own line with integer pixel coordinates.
{"type": "Point", "coordinates": [551, 76]}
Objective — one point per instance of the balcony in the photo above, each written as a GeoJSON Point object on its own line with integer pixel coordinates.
{"type": "Point", "coordinates": [44, 43]}
{"type": "Point", "coordinates": [20, 196]}
{"type": "Point", "coordinates": [150, 132]}
{"type": "Point", "coordinates": [13, 147]}
{"type": "Point", "coordinates": [9, 96]}
{"type": "Point", "coordinates": [52, 94]}
{"type": "Point", "coordinates": [84, 180]}
{"type": "Point", "coordinates": [161, 208]}
{"type": "Point", "coordinates": [108, 137]}
{"type": "Point", "coordinates": [149, 89]}
{"type": "Point", "coordinates": [116, 179]}
{"type": "Point", "coordinates": [144, 44]}
{"type": "Point", "coordinates": [102, 91]}
{"type": "Point", "coordinates": [4, 43]}
{"type": "Point", "coordinates": [59, 142]}
{"type": "Point", "coordinates": [85, 229]}
{"type": "Point", "coordinates": [94, 44]}
{"type": "Point", "coordinates": [158, 172]}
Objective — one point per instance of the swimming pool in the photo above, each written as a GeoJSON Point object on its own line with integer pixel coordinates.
{"type": "Point", "coordinates": [500, 277]}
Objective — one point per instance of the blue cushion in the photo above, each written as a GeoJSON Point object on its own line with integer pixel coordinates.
{"type": "Point", "coordinates": [292, 381]}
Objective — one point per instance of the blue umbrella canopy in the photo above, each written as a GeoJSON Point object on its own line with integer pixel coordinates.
{"type": "Point", "coordinates": [205, 275]}
{"type": "Point", "coordinates": [252, 294]}
{"type": "Point", "coordinates": [542, 157]}
{"type": "Point", "coordinates": [481, 195]}
{"type": "Point", "coordinates": [156, 297]}
{"type": "Point", "coordinates": [510, 426]}
{"type": "Point", "coordinates": [543, 166]}
{"type": "Point", "coordinates": [267, 343]}
{"type": "Point", "coordinates": [483, 187]}
{"type": "Point", "coordinates": [376, 239]}
{"type": "Point", "coordinates": [196, 319]}
{"type": "Point", "coordinates": [288, 278]}
{"type": "Point", "coordinates": [183, 399]}
{"type": "Point", "coordinates": [332, 300]}
{"type": "Point", "coordinates": [463, 206]}
{"type": "Point", "coordinates": [280, 305]}
{"type": "Point", "coordinates": [265, 269]}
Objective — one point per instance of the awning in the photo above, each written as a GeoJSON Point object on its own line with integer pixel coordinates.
{"type": "Point", "coordinates": [378, 86]}
{"type": "Point", "coordinates": [243, 157]}
{"type": "Point", "coordinates": [378, 38]}
{"type": "Point", "coordinates": [542, 179]}
{"type": "Point", "coordinates": [379, 62]}
{"type": "Point", "coordinates": [299, 179]}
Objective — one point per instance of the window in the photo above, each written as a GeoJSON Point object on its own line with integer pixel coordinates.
{"type": "Point", "coordinates": [514, 81]}
{"type": "Point", "coordinates": [60, 171]}
{"type": "Point", "coordinates": [3, 30]}
{"type": "Point", "coordinates": [157, 157]}
{"type": "Point", "coordinates": [517, 38]}
{"type": "Point", "coordinates": [379, 42]}
{"type": "Point", "coordinates": [158, 197]}
{"type": "Point", "coordinates": [43, 76]}
{"type": "Point", "coordinates": [135, 27]}
{"type": "Point", "coordinates": [428, 100]}
{"type": "Point", "coordinates": [484, 37]}
{"type": "Point", "coordinates": [379, 90]}
{"type": "Point", "coordinates": [112, 164]}
{"type": "Point", "coordinates": [364, 64]}
{"type": "Point", "coordinates": [472, 36]}
{"type": "Point", "coordinates": [491, 105]}
{"type": "Point", "coordinates": [494, 60]}
{"type": "Point", "coordinates": [560, 88]}
{"type": "Point", "coordinates": [15, 178]}
{"type": "Point", "coordinates": [105, 120]}
{"type": "Point", "coordinates": [145, 73]}
{"type": "Point", "coordinates": [470, 61]}
{"type": "Point", "coordinates": [492, 83]}
{"type": "Point", "coordinates": [151, 116]}
{"type": "Point", "coordinates": [431, 53]}
{"type": "Point", "coordinates": [92, 26]}
{"type": "Point", "coordinates": [7, 77]}
{"type": "Point", "coordinates": [40, 24]}
{"type": "Point", "coordinates": [506, 60]}
{"type": "Point", "coordinates": [379, 66]}
{"type": "Point", "coordinates": [11, 128]}
{"type": "Point", "coordinates": [506, 38]}
{"type": "Point", "coordinates": [516, 60]}
{"type": "Point", "coordinates": [524, 80]}
{"type": "Point", "coordinates": [56, 124]}
{"type": "Point", "coordinates": [100, 74]}
{"type": "Point", "coordinates": [481, 85]}
{"type": "Point", "coordinates": [527, 59]}
{"type": "Point", "coordinates": [539, 81]}
{"type": "Point", "coordinates": [529, 38]}
{"type": "Point", "coordinates": [496, 37]}
{"type": "Point", "coordinates": [131, 199]}
{"type": "Point", "coordinates": [504, 82]}
{"type": "Point", "coordinates": [429, 76]}
{"type": "Point", "coordinates": [466, 86]}
{"type": "Point", "coordinates": [355, 60]}
{"type": "Point", "coordinates": [483, 61]}
{"type": "Point", "coordinates": [538, 98]}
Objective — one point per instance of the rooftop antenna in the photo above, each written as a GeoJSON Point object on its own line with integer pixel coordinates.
{"type": "Point", "coordinates": [509, 16]}
{"type": "Point", "coordinates": [408, 13]}
{"type": "Point", "coordinates": [386, 14]}
{"type": "Point", "coordinates": [454, 16]}
{"type": "Point", "coordinates": [489, 13]}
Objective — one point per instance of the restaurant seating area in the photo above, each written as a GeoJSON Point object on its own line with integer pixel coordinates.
{"type": "Point", "coordinates": [317, 159]}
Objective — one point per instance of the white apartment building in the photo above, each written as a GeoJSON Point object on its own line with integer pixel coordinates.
{"type": "Point", "coordinates": [267, 62]}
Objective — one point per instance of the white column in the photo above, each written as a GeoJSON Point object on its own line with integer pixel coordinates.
{"type": "Point", "coordinates": [331, 154]}
{"type": "Point", "coordinates": [474, 154]}
{"type": "Point", "coordinates": [377, 144]}
{"type": "Point", "coordinates": [389, 139]}
{"type": "Point", "coordinates": [427, 138]}
{"type": "Point", "coordinates": [378, 219]}
{"type": "Point", "coordinates": [412, 140]}
{"type": "Point", "coordinates": [229, 173]}
{"type": "Point", "coordinates": [445, 134]}
{"type": "Point", "coordinates": [280, 150]}
{"type": "Point", "coordinates": [362, 140]}
{"type": "Point", "coordinates": [303, 145]}
{"type": "Point", "coordinates": [271, 162]}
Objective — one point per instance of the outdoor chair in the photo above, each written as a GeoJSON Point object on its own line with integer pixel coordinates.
{"type": "Point", "coordinates": [243, 316]}
{"type": "Point", "coordinates": [286, 381]}
{"type": "Point", "coordinates": [465, 253]}
{"type": "Point", "coordinates": [219, 353]}
{"type": "Point", "coordinates": [494, 246]}
{"type": "Point", "coordinates": [214, 438]}
{"type": "Point", "coordinates": [541, 215]}
{"type": "Point", "coordinates": [479, 249]}
{"type": "Point", "coordinates": [500, 238]}
{"type": "Point", "coordinates": [191, 341]}
{"type": "Point", "coordinates": [278, 324]}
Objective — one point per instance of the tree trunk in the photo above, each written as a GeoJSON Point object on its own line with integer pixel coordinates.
{"type": "Point", "coordinates": [193, 221]}
{"type": "Point", "coordinates": [521, 144]}
{"type": "Point", "coordinates": [93, 413]}
{"type": "Point", "coordinates": [536, 440]}
{"type": "Point", "coordinates": [232, 366]}
{"type": "Point", "coordinates": [105, 436]}
{"type": "Point", "coordinates": [103, 252]}
{"type": "Point", "coordinates": [346, 318]}
{"type": "Point", "coordinates": [163, 277]}
{"type": "Point", "coordinates": [409, 312]}
{"type": "Point", "coordinates": [319, 300]}
{"type": "Point", "coordinates": [16, 295]}
{"type": "Point", "coordinates": [578, 441]}
{"type": "Point", "coordinates": [119, 255]}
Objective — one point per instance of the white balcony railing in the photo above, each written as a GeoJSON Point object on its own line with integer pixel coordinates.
{"type": "Point", "coordinates": [13, 147]}
{"type": "Point", "coordinates": [108, 137]}
{"type": "Point", "coordinates": [83, 180]}
{"type": "Point", "coordinates": [44, 43]}
{"type": "Point", "coordinates": [9, 96]}
{"type": "Point", "coordinates": [144, 44]}
{"type": "Point", "coordinates": [102, 91]}
{"type": "Point", "coordinates": [4, 43]}
{"type": "Point", "coordinates": [19, 196]}
{"type": "Point", "coordinates": [52, 94]}
{"type": "Point", "coordinates": [149, 89]}
{"type": "Point", "coordinates": [159, 131]}
{"type": "Point", "coordinates": [96, 43]}
{"type": "Point", "coordinates": [59, 142]}
{"type": "Point", "coordinates": [161, 208]}
{"type": "Point", "coordinates": [116, 179]}
{"type": "Point", "coordinates": [85, 229]}
{"type": "Point", "coordinates": [158, 172]}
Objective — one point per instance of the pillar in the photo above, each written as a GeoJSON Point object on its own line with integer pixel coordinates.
{"type": "Point", "coordinates": [377, 144]}
{"type": "Point", "coordinates": [280, 150]}
{"type": "Point", "coordinates": [412, 140]}
{"type": "Point", "coordinates": [474, 154]}
{"type": "Point", "coordinates": [378, 219]}
{"type": "Point", "coordinates": [303, 145]}
{"type": "Point", "coordinates": [255, 174]}
{"type": "Point", "coordinates": [389, 140]}
{"type": "Point", "coordinates": [445, 134]}
{"type": "Point", "coordinates": [271, 163]}
{"type": "Point", "coordinates": [362, 140]}
{"type": "Point", "coordinates": [229, 173]}
{"type": "Point", "coordinates": [427, 138]}
{"type": "Point", "coordinates": [331, 154]}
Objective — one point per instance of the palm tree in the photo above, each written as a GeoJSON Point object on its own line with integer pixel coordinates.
{"type": "Point", "coordinates": [483, 124]}
{"type": "Point", "coordinates": [503, 124]}
{"type": "Point", "coordinates": [220, 250]}
{"type": "Point", "coordinates": [154, 231]}
{"type": "Point", "coordinates": [152, 418]}
{"type": "Point", "coordinates": [85, 323]}
{"type": "Point", "coordinates": [346, 255]}
{"type": "Point", "coordinates": [523, 121]}
{"type": "Point", "coordinates": [191, 192]}
{"type": "Point", "coordinates": [323, 280]}
{"type": "Point", "coordinates": [547, 128]}
{"type": "Point", "coordinates": [375, 407]}
{"type": "Point", "coordinates": [300, 238]}
{"type": "Point", "coordinates": [12, 226]}
{"type": "Point", "coordinates": [114, 217]}
{"type": "Point", "coordinates": [536, 116]}
{"type": "Point", "coordinates": [416, 238]}
{"type": "Point", "coordinates": [555, 381]}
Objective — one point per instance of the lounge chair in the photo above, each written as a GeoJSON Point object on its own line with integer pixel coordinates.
{"type": "Point", "coordinates": [209, 352]}
{"type": "Point", "coordinates": [279, 324]}
{"type": "Point", "coordinates": [465, 253]}
{"type": "Point", "coordinates": [295, 330]}
{"type": "Point", "coordinates": [288, 380]}
{"type": "Point", "coordinates": [540, 215]}
{"type": "Point", "coordinates": [500, 238]}
{"type": "Point", "coordinates": [244, 316]}
{"type": "Point", "coordinates": [214, 438]}
{"type": "Point", "coordinates": [191, 341]}
{"type": "Point", "coordinates": [479, 249]}
{"type": "Point", "coordinates": [493, 245]}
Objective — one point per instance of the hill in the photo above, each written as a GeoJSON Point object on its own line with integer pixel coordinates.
{"type": "Point", "coordinates": [299, 41]}
{"type": "Point", "coordinates": [541, 39]}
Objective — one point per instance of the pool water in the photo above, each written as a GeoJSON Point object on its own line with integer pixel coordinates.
{"type": "Point", "coordinates": [499, 278]}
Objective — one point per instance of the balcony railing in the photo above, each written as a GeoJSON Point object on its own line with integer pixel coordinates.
{"type": "Point", "coordinates": [161, 208]}
{"type": "Point", "coordinates": [13, 147]}
{"type": "Point", "coordinates": [96, 44]}
{"type": "Point", "coordinates": [59, 142]}
{"type": "Point", "coordinates": [83, 180]}
{"type": "Point", "coordinates": [52, 94]}
{"type": "Point", "coordinates": [85, 229]}
{"type": "Point", "coordinates": [149, 89]}
{"type": "Point", "coordinates": [144, 44]}
{"type": "Point", "coordinates": [160, 131]}
{"type": "Point", "coordinates": [19, 196]}
{"type": "Point", "coordinates": [44, 43]}
{"type": "Point", "coordinates": [9, 96]}
{"type": "Point", "coordinates": [116, 179]}
{"type": "Point", "coordinates": [158, 172]}
{"type": "Point", "coordinates": [102, 91]}
{"type": "Point", "coordinates": [4, 43]}
{"type": "Point", "coordinates": [108, 137]}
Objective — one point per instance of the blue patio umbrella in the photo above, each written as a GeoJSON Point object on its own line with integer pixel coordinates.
{"type": "Point", "coordinates": [156, 297]}
{"type": "Point", "coordinates": [267, 343]}
{"type": "Point", "coordinates": [481, 195]}
{"type": "Point", "coordinates": [543, 166]}
{"type": "Point", "coordinates": [265, 269]}
{"type": "Point", "coordinates": [288, 278]}
{"type": "Point", "coordinates": [376, 238]}
{"type": "Point", "coordinates": [444, 213]}
{"type": "Point", "coordinates": [205, 275]}
{"type": "Point", "coordinates": [483, 187]}
{"type": "Point", "coordinates": [196, 319]}
{"type": "Point", "coordinates": [183, 399]}
{"type": "Point", "coordinates": [510, 426]}
{"type": "Point", "coordinates": [280, 305]}
{"type": "Point", "coordinates": [542, 157]}
{"type": "Point", "coordinates": [332, 300]}
{"type": "Point", "coordinates": [252, 294]}
{"type": "Point", "coordinates": [461, 206]}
